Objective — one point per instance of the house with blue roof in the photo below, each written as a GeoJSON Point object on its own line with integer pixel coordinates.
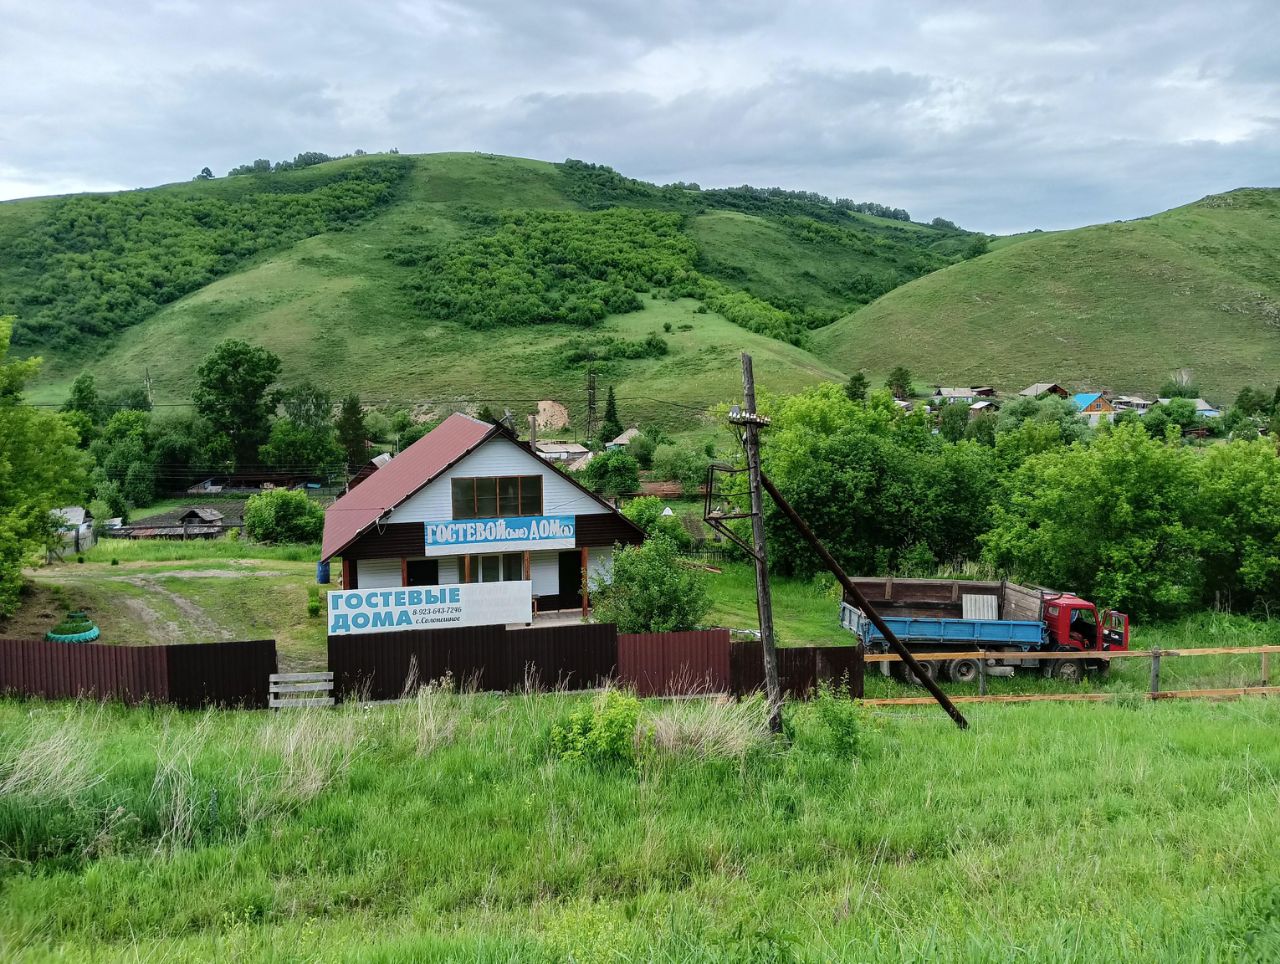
{"type": "Point", "coordinates": [1094, 406]}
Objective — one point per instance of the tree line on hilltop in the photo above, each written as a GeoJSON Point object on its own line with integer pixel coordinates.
{"type": "Point", "coordinates": [97, 264]}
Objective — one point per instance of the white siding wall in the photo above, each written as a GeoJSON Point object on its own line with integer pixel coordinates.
{"type": "Point", "coordinates": [545, 570]}
{"type": "Point", "coordinates": [599, 562]}
{"type": "Point", "coordinates": [378, 573]}
{"type": "Point", "coordinates": [497, 457]}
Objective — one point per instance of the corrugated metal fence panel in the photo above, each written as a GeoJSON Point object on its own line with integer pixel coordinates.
{"type": "Point", "coordinates": [220, 674]}
{"type": "Point", "coordinates": [675, 664]}
{"type": "Point", "coordinates": [191, 675]}
{"type": "Point", "coordinates": [800, 668]}
{"type": "Point", "coordinates": [376, 666]}
{"type": "Point", "coordinates": [567, 657]}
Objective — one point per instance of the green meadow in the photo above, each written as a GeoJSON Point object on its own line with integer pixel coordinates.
{"type": "Point", "coordinates": [445, 829]}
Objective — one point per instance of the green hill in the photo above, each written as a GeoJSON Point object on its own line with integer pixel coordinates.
{"type": "Point", "coordinates": [1117, 306]}
{"type": "Point", "coordinates": [425, 279]}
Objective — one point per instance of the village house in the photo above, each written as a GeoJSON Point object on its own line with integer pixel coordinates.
{"type": "Point", "coordinates": [1203, 408]}
{"type": "Point", "coordinates": [1040, 389]}
{"type": "Point", "coordinates": [1131, 403]}
{"type": "Point", "coordinates": [471, 503]}
{"type": "Point", "coordinates": [561, 452]}
{"type": "Point", "coordinates": [75, 526]}
{"type": "Point", "coordinates": [623, 440]}
{"type": "Point", "coordinates": [951, 395]}
{"type": "Point", "coordinates": [983, 406]}
{"type": "Point", "coordinates": [1094, 406]}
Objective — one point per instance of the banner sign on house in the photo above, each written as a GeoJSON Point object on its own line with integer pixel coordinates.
{"type": "Point", "coordinates": [430, 607]}
{"type": "Point", "coordinates": [496, 535]}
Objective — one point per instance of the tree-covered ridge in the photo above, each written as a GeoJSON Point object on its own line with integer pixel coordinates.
{"type": "Point", "coordinates": [96, 264]}
{"type": "Point", "coordinates": [542, 267]}
{"type": "Point", "coordinates": [535, 267]}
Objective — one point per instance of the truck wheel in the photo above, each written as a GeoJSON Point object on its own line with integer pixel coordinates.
{"type": "Point", "coordinates": [930, 666]}
{"type": "Point", "coordinates": [1069, 670]}
{"type": "Point", "coordinates": [962, 670]}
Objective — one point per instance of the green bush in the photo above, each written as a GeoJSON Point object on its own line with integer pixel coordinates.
{"type": "Point", "coordinates": [281, 516]}
{"type": "Point", "coordinates": [646, 512]}
{"type": "Point", "coordinates": [649, 590]}
{"type": "Point", "coordinates": [313, 601]}
{"type": "Point", "coordinates": [603, 733]}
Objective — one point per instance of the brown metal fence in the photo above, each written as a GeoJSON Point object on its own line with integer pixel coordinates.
{"type": "Point", "coordinates": [675, 664]}
{"type": "Point", "coordinates": [800, 668]}
{"type": "Point", "coordinates": [190, 675]}
{"type": "Point", "coordinates": [377, 666]}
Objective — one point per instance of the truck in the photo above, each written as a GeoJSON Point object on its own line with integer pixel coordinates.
{"type": "Point", "coordinates": [964, 616]}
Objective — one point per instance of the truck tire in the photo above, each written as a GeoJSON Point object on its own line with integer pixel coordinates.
{"type": "Point", "coordinates": [930, 666]}
{"type": "Point", "coordinates": [963, 670]}
{"type": "Point", "coordinates": [1069, 670]}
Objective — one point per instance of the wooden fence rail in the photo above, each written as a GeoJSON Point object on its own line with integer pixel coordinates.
{"type": "Point", "coordinates": [1227, 693]}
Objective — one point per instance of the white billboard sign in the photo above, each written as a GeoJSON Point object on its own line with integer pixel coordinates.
{"type": "Point", "coordinates": [509, 534]}
{"type": "Point", "coordinates": [429, 607]}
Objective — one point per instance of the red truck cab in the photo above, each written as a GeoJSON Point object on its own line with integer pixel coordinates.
{"type": "Point", "coordinates": [1073, 623]}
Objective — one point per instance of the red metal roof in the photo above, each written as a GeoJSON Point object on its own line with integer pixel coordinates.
{"type": "Point", "coordinates": [400, 478]}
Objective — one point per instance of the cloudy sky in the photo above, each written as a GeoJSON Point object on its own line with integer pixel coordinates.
{"type": "Point", "coordinates": [1001, 116]}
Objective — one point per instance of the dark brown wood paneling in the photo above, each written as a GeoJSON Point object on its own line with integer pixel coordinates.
{"type": "Point", "coordinates": [396, 539]}
{"type": "Point", "coordinates": [605, 529]}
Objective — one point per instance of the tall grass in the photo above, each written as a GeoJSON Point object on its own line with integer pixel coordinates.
{"type": "Point", "coordinates": [442, 828]}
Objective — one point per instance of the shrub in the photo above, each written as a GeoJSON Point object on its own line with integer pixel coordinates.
{"type": "Point", "coordinates": [283, 516]}
{"type": "Point", "coordinates": [612, 474]}
{"type": "Point", "coordinates": [648, 590]}
{"type": "Point", "coordinates": [602, 733]}
{"type": "Point", "coordinates": [313, 601]}
{"type": "Point", "coordinates": [832, 722]}
{"type": "Point", "coordinates": [684, 465]}
{"type": "Point", "coordinates": [646, 512]}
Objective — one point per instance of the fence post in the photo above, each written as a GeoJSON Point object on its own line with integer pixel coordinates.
{"type": "Point", "coordinates": [1155, 672]}
{"type": "Point", "coordinates": [982, 677]}
{"type": "Point", "coordinates": [1266, 669]}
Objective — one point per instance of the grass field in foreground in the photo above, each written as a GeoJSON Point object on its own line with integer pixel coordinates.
{"type": "Point", "coordinates": [444, 830]}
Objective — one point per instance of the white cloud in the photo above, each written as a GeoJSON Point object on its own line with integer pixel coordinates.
{"type": "Point", "coordinates": [1000, 116]}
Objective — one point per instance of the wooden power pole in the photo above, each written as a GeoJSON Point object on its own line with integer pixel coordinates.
{"type": "Point", "coordinates": [751, 423]}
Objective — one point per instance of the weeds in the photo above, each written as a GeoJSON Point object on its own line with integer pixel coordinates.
{"type": "Point", "coordinates": [713, 727]}
{"type": "Point", "coordinates": [57, 762]}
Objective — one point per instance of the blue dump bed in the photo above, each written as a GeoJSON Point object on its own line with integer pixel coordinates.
{"type": "Point", "coordinates": [1026, 634]}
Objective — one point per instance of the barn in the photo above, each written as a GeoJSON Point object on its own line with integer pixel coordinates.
{"type": "Point", "coordinates": [470, 502]}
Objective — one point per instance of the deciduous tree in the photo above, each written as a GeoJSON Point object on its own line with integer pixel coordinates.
{"type": "Point", "coordinates": [232, 392]}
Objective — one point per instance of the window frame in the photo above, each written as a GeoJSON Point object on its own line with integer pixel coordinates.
{"type": "Point", "coordinates": [496, 480]}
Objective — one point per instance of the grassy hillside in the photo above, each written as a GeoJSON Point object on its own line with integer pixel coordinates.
{"type": "Point", "coordinates": [1115, 306]}
{"type": "Point", "coordinates": [360, 308]}
{"type": "Point", "coordinates": [482, 277]}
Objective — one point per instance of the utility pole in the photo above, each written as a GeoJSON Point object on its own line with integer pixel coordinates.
{"type": "Point", "coordinates": [591, 403]}
{"type": "Point", "coordinates": [751, 423]}
{"type": "Point", "coordinates": [150, 401]}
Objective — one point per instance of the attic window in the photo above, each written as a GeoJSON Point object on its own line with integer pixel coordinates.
{"type": "Point", "coordinates": [493, 498]}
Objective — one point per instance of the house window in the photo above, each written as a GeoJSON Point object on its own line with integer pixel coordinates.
{"type": "Point", "coordinates": [508, 567]}
{"type": "Point", "coordinates": [492, 498]}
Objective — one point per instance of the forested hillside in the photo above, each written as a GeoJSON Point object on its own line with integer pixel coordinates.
{"type": "Point", "coordinates": [415, 278]}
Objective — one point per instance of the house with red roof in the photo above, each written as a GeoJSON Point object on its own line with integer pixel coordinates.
{"type": "Point", "coordinates": [469, 502]}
